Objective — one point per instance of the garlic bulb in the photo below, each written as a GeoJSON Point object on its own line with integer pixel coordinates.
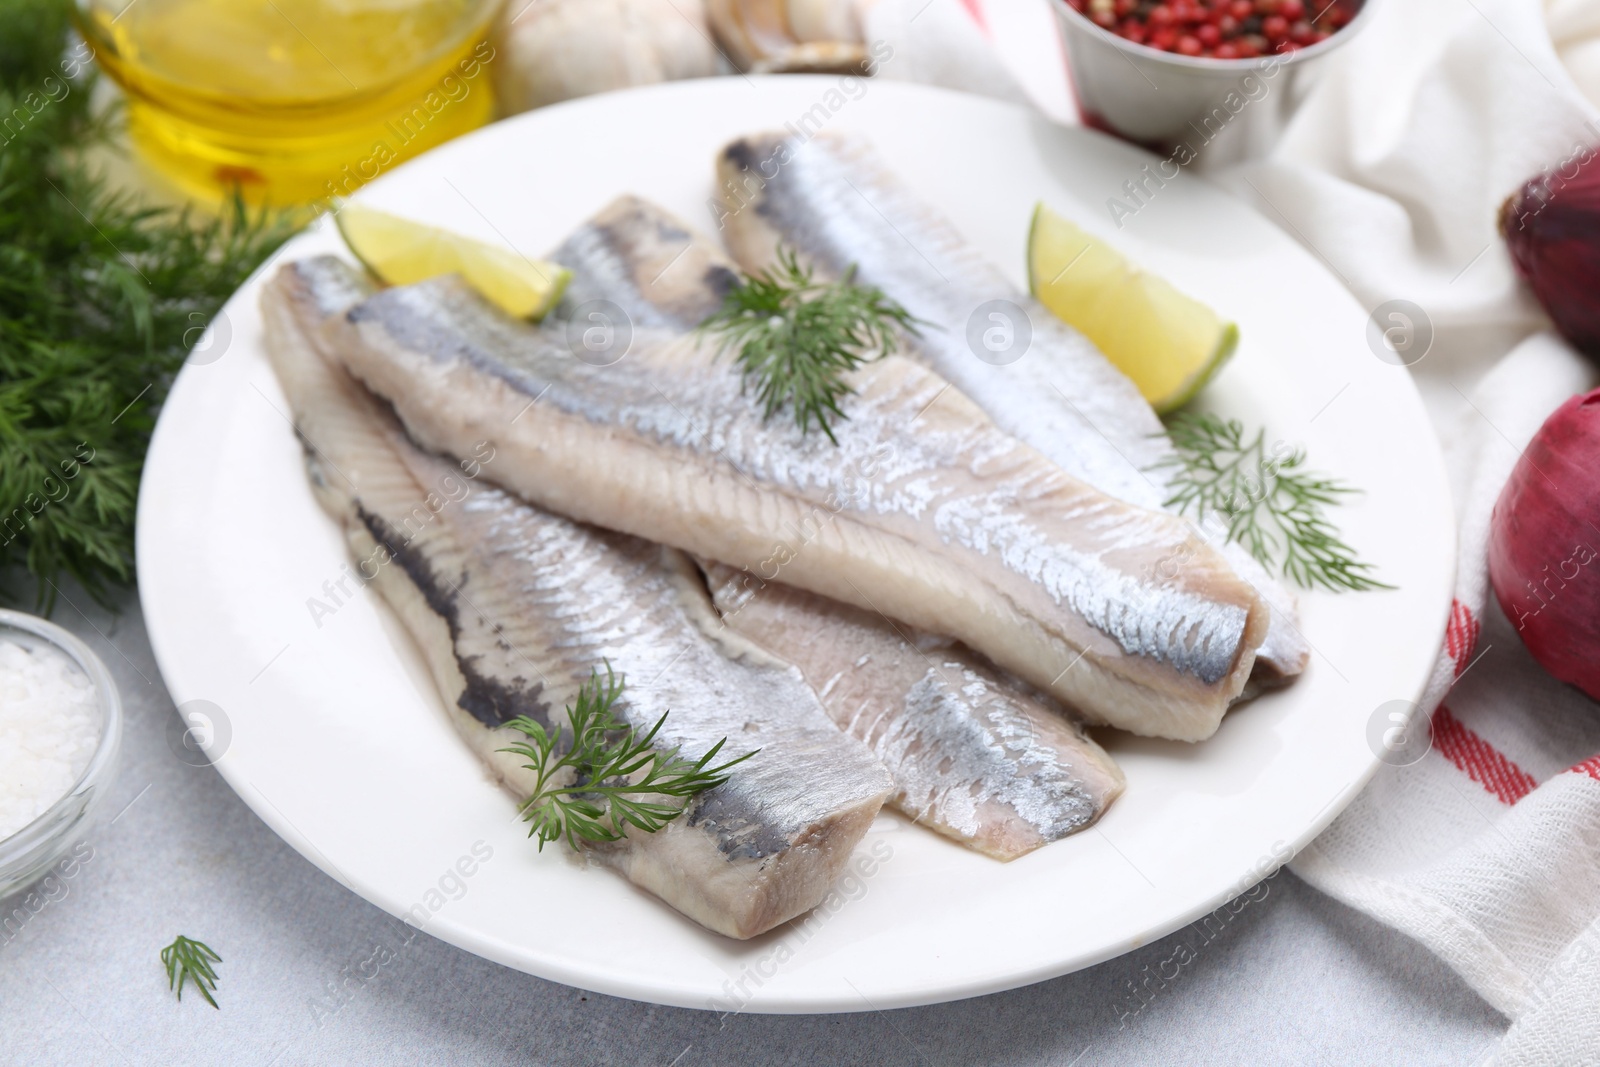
{"type": "Point", "coordinates": [823, 20]}
{"type": "Point", "coordinates": [553, 50]}
{"type": "Point", "coordinates": [769, 36]}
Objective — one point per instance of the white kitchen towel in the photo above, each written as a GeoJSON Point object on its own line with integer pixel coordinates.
{"type": "Point", "coordinates": [1392, 170]}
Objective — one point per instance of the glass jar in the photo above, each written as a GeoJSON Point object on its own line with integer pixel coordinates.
{"type": "Point", "coordinates": [292, 101]}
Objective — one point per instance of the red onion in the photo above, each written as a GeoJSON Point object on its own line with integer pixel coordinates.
{"type": "Point", "coordinates": [1552, 229]}
{"type": "Point", "coordinates": [1544, 544]}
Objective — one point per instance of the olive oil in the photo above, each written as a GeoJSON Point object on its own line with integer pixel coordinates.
{"type": "Point", "coordinates": [292, 101]}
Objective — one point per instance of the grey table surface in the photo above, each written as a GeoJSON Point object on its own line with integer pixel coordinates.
{"type": "Point", "coordinates": [313, 974]}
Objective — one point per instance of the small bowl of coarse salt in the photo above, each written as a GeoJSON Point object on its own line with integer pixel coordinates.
{"type": "Point", "coordinates": [60, 729]}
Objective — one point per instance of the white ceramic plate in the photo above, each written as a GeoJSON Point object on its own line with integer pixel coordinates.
{"type": "Point", "coordinates": [336, 738]}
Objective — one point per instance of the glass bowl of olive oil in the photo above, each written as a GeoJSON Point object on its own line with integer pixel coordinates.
{"type": "Point", "coordinates": [292, 101]}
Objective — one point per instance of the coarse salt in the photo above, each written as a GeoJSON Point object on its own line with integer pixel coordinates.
{"type": "Point", "coordinates": [49, 728]}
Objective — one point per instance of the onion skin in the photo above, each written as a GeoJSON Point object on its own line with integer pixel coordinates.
{"type": "Point", "coordinates": [1544, 544]}
{"type": "Point", "coordinates": [1552, 229]}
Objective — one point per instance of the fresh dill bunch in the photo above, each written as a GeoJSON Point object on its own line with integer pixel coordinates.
{"type": "Point", "coordinates": [796, 338]}
{"type": "Point", "coordinates": [187, 960]}
{"type": "Point", "coordinates": [100, 300]}
{"type": "Point", "coordinates": [606, 790]}
{"type": "Point", "coordinates": [1271, 504]}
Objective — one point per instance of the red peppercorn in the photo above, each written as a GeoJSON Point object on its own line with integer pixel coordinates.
{"type": "Point", "coordinates": [1221, 29]}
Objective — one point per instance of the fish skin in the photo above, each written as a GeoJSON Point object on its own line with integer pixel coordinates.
{"type": "Point", "coordinates": [974, 756]}
{"type": "Point", "coordinates": [924, 511]}
{"type": "Point", "coordinates": [514, 607]}
{"type": "Point", "coordinates": [650, 263]}
{"type": "Point", "coordinates": [833, 201]}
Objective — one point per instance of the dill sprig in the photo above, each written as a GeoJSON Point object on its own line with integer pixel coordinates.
{"type": "Point", "coordinates": [1272, 506]}
{"type": "Point", "coordinates": [100, 300]}
{"type": "Point", "coordinates": [796, 338]}
{"type": "Point", "coordinates": [187, 960]}
{"type": "Point", "coordinates": [606, 790]}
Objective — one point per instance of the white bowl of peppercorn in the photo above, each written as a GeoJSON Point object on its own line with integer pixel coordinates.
{"type": "Point", "coordinates": [1176, 73]}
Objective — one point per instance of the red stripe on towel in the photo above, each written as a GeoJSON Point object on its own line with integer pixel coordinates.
{"type": "Point", "coordinates": [975, 9]}
{"type": "Point", "coordinates": [1461, 636]}
{"type": "Point", "coordinates": [1590, 766]}
{"type": "Point", "coordinates": [1478, 759]}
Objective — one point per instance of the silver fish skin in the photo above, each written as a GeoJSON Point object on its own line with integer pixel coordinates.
{"type": "Point", "coordinates": [923, 511]}
{"type": "Point", "coordinates": [973, 757]}
{"type": "Point", "coordinates": [514, 607]}
{"type": "Point", "coordinates": [648, 262]}
{"type": "Point", "coordinates": [833, 202]}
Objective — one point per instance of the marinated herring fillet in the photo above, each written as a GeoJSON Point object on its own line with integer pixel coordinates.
{"type": "Point", "coordinates": [834, 203]}
{"type": "Point", "coordinates": [513, 607]}
{"type": "Point", "coordinates": [973, 756]}
{"type": "Point", "coordinates": [924, 511]}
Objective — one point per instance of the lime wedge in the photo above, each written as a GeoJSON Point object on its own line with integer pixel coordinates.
{"type": "Point", "coordinates": [402, 252]}
{"type": "Point", "coordinates": [1168, 343]}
